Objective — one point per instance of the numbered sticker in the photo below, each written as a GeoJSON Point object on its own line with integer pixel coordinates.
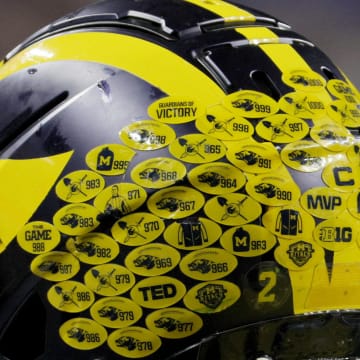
{"type": "Point", "coordinates": [304, 80]}
{"type": "Point", "coordinates": [344, 91]}
{"type": "Point", "coordinates": [344, 113]}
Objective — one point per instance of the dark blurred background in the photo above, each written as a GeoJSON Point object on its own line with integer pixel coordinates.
{"type": "Point", "coordinates": [333, 25]}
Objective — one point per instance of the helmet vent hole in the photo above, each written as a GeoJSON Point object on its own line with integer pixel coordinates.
{"type": "Point", "coordinates": [328, 73]}
{"type": "Point", "coordinates": [265, 84]}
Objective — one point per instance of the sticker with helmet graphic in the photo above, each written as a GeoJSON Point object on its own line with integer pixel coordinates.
{"type": "Point", "coordinates": [304, 80]}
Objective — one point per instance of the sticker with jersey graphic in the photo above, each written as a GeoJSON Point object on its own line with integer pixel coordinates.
{"type": "Point", "coordinates": [109, 279]}
{"type": "Point", "coordinates": [342, 176]}
{"type": "Point", "coordinates": [303, 105]}
{"type": "Point", "coordinates": [232, 209]}
{"type": "Point", "coordinates": [291, 222]}
{"type": "Point", "coordinates": [158, 292]}
{"type": "Point", "coordinates": [79, 186]}
{"type": "Point", "coordinates": [282, 128]}
{"type": "Point", "coordinates": [109, 159]}
{"type": "Point", "coordinates": [134, 342]}
{"type": "Point", "coordinates": [208, 264]}
{"type": "Point", "coordinates": [344, 91]}
{"type": "Point", "coordinates": [304, 80]}
{"type": "Point", "coordinates": [253, 157]}
{"type": "Point", "coordinates": [93, 248]}
{"type": "Point", "coordinates": [248, 240]}
{"type": "Point", "coordinates": [305, 156]}
{"type": "Point", "coordinates": [344, 113]}
{"type": "Point", "coordinates": [197, 148]}
{"type": "Point", "coordinates": [332, 136]}
{"type": "Point", "coordinates": [212, 296]}
{"type": "Point", "coordinates": [273, 189]}
{"type": "Point", "coordinates": [324, 202]}
{"type": "Point", "coordinates": [176, 202]}
{"type": "Point", "coordinates": [353, 204]}
{"type": "Point", "coordinates": [251, 104]}
{"type": "Point", "coordinates": [298, 255]}
{"type": "Point", "coordinates": [337, 233]}
{"type": "Point", "coordinates": [192, 233]}
{"type": "Point", "coordinates": [157, 173]}
{"type": "Point", "coordinates": [176, 109]}
{"type": "Point", "coordinates": [55, 266]}
{"type": "Point", "coordinates": [83, 333]}
{"type": "Point", "coordinates": [76, 219]}
{"type": "Point", "coordinates": [120, 199]}
{"type": "Point", "coordinates": [115, 312]}
{"type": "Point", "coordinates": [152, 259]}
{"type": "Point", "coordinates": [217, 178]}
{"type": "Point", "coordinates": [137, 229]}
{"type": "Point", "coordinates": [223, 124]}
{"type": "Point", "coordinates": [147, 135]}
{"type": "Point", "coordinates": [70, 296]}
{"type": "Point", "coordinates": [174, 323]}
{"type": "Point", "coordinates": [38, 237]}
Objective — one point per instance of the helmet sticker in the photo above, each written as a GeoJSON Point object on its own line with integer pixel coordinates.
{"type": "Point", "coordinates": [344, 113]}
{"type": "Point", "coordinates": [343, 91]}
{"type": "Point", "coordinates": [353, 203]}
{"type": "Point", "coordinates": [304, 80]}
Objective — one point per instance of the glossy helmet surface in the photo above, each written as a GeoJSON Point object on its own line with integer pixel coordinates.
{"type": "Point", "coordinates": [179, 179]}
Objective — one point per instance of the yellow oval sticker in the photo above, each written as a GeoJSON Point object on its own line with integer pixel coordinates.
{"type": "Point", "coordinates": [137, 229]}
{"type": "Point", "coordinates": [109, 279]}
{"type": "Point", "coordinates": [158, 292]}
{"type": "Point", "coordinates": [343, 90]}
{"type": "Point", "coordinates": [192, 233]}
{"type": "Point", "coordinates": [212, 296]}
{"type": "Point", "coordinates": [353, 204]}
{"type": "Point", "coordinates": [55, 266]}
{"type": "Point", "coordinates": [304, 80]}
{"type": "Point", "coordinates": [217, 178]}
{"type": "Point", "coordinates": [176, 202]}
{"type": "Point", "coordinates": [93, 248]}
{"type": "Point", "coordinates": [79, 186]}
{"type": "Point", "coordinates": [76, 219]}
{"type": "Point", "coordinates": [38, 237]}
{"type": "Point", "coordinates": [109, 159]}
{"type": "Point", "coordinates": [115, 312]}
{"type": "Point", "coordinates": [251, 104]}
{"type": "Point", "coordinates": [134, 342]}
{"type": "Point", "coordinates": [157, 173]}
{"type": "Point", "coordinates": [147, 135]}
{"type": "Point", "coordinates": [83, 333]}
{"type": "Point", "coordinates": [342, 176]}
{"type": "Point", "coordinates": [70, 296]}
{"type": "Point", "coordinates": [344, 113]}
{"type": "Point", "coordinates": [232, 209]}
{"type": "Point", "coordinates": [175, 109]}
{"type": "Point", "coordinates": [174, 323]}
{"type": "Point", "coordinates": [208, 264]}
{"type": "Point", "coordinates": [152, 259]}
{"type": "Point", "coordinates": [197, 149]}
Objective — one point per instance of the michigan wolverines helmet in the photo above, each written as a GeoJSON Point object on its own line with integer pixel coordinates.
{"type": "Point", "coordinates": [180, 179]}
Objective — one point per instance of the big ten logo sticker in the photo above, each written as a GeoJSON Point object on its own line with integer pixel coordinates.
{"type": "Point", "coordinates": [120, 199]}
{"type": "Point", "coordinates": [176, 202]}
{"type": "Point", "coordinates": [304, 80]}
{"type": "Point", "coordinates": [158, 172]}
{"type": "Point", "coordinates": [342, 176]}
{"type": "Point", "coordinates": [282, 128]}
{"type": "Point", "coordinates": [109, 279]}
{"type": "Point", "coordinates": [255, 158]}
{"type": "Point", "coordinates": [174, 323]}
{"type": "Point", "coordinates": [217, 178]}
{"type": "Point", "coordinates": [266, 286]}
{"type": "Point", "coordinates": [147, 135]}
{"type": "Point", "coordinates": [110, 159]}
{"type": "Point", "coordinates": [79, 186]}
{"type": "Point", "coordinates": [55, 266]}
{"type": "Point", "coordinates": [152, 259]}
{"type": "Point", "coordinates": [223, 124]}
{"type": "Point", "coordinates": [137, 229]}
{"type": "Point", "coordinates": [192, 233]}
{"type": "Point", "coordinates": [158, 292]}
{"type": "Point", "coordinates": [38, 237]}
{"type": "Point", "coordinates": [291, 222]}
{"type": "Point", "coordinates": [248, 240]}
{"type": "Point", "coordinates": [345, 113]}
{"type": "Point", "coordinates": [197, 148]}
{"type": "Point", "coordinates": [93, 248]}
{"type": "Point", "coordinates": [70, 296]}
{"type": "Point", "coordinates": [83, 333]}
{"type": "Point", "coordinates": [324, 202]}
{"type": "Point", "coordinates": [251, 104]}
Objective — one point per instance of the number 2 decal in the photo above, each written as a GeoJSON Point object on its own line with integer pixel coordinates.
{"type": "Point", "coordinates": [268, 280]}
